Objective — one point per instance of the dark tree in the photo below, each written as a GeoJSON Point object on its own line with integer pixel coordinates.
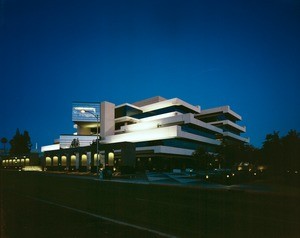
{"type": "Point", "coordinates": [20, 144]}
{"type": "Point", "coordinates": [27, 141]}
{"type": "Point", "coordinates": [234, 153]}
{"type": "Point", "coordinates": [230, 153]}
{"type": "Point", "coordinates": [203, 159]}
{"type": "Point", "coordinates": [291, 150]}
{"type": "Point", "coordinates": [272, 151]}
{"type": "Point", "coordinates": [3, 141]}
{"type": "Point", "coordinates": [282, 154]}
{"type": "Point", "coordinates": [75, 143]}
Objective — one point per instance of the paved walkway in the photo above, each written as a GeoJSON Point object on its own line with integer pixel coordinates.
{"type": "Point", "coordinates": [181, 179]}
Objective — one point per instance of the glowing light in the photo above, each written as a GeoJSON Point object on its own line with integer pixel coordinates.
{"type": "Point", "coordinates": [55, 161]}
{"type": "Point", "coordinates": [227, 176]}
{"type": "Point", "coordinates": [140, 126]}
{"type": "Point", "coordinates": [64, 160]}
{"type": "Point", "coordinates": [73, 160]}
{"type": "Point", "coordinates": [84, 160]}
{"type": "Point", "coordinates": [261, 168]}
{"type": "Point", "coordinates": [206, 176]}
{"type": "Point", "coordinates": [111, 157]}
{"type": "Point", "coordinates": [48, 161]}
{"type": "Point", "coordinates": [85, 109]}
{"type": "Point", "coordinates": [33, 168]}
{"type": "Point", "coordinates": [96, 159]}
{"type": "Point", "coordinates": [153, 134]}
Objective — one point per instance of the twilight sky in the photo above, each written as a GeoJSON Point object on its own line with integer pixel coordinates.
{"type": "Point", "coordinates": [245, 54]}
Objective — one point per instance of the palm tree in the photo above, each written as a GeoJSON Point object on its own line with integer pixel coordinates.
{"type": "Point", "coordinates": [3, 141]}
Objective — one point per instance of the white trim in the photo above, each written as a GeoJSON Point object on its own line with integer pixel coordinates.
{"type": "Point", "coordinates": [205, 125]}
{"type": "Point", "coordinates": [161, 149]}
{"type": "Point", "coordinates": [125, 119]}
{"type": "Point", "coordinates": [50, 147]}
{"type": "Point", "coordinates": [223, 109]}
{"type": "Point", "coordinates": [187, 135]}
{"type": "Point", "coordinates": [161, 116]}
{"type": "Point", "coordinates": [168, 103]}
{"type": "Point", "coordinates": [143, 135]}
{"type": "Point", "coordinates": [230, 123]}
{"type": "Point", "coordinates": [128, 104]}
{"type": "Point", "coordinates": [176, 119]}
{"type": "Point", "coordinates": [229, 134]}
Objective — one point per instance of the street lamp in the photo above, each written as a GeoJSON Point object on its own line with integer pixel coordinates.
{"type": "Point", "coordinates": [97, 140]}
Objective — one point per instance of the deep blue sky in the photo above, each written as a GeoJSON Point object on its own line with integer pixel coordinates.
{"type": "Point", "coordinates": [245, 54]}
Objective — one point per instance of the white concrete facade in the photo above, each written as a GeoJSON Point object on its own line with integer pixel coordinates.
{"type": "Point", "coordinates": [161, 126]}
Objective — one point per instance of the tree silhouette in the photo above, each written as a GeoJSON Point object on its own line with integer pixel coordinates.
{"type": "Point", "coordinates": [291, 150]}
{"type": "Point", "coordinates": [272, 150]}
{"type": "Point", "coordinates": [231, 153]}
{"type": "Point", "coordinates": [3, 141]}
{"type": "Point", "coordinates": [75, 143]}
{"type": "Point", "coordinates": [282, 154]}
{"type": "Point", "coordinates": [202, 158]}
{"type": "Point", "coordinates": [20, 144]}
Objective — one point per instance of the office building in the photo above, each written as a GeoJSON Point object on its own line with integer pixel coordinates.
{"type": "Point", "coordinates": [154, 133]}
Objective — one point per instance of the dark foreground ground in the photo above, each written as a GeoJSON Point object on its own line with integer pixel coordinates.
{"type": "Point", "coordinates": [45, 205]}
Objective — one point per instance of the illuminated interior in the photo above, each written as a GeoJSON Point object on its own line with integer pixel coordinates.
{"type": "Point", "coordinates": [111, 157]}
{"type": "Point", "coordinates": [55, 161]}
{"type": "Point", "coordinates": [84, 160]}
{"type": "Point", "coordinates": [48, 161]}
{"type": "Point", "coordinates": [64, 160]}
{"type": "Point", "coordinates": [73, 160]}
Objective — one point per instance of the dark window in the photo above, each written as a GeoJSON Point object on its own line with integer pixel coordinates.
{"type": "Point", "coordinates": [126, 111]}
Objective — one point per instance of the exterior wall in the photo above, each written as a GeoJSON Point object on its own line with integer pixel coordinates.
{"type": "Point", "coordinates": [149, 101]}
{"type": "Point", "coordinates": [81, 130]}
{"type": "Point", "coordinates": [84, 158]}
{"type": "Point", "coordinates": [50, 147]}
{"type": "Point", "coordinates": [157, 127]}
{"type": "Point", "coordinates": [107, 119]}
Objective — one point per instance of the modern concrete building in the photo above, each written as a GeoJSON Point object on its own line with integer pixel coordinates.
{"type": "Point", "coordinates": [154, 133]}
